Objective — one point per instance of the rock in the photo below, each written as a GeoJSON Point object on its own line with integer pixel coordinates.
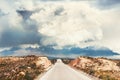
{"type": "Point", "coordinates": [95, 63]}
{"type": "Point", "coordinates": [81, 62]}
{"type": "Point", "coordinates": [43, 61]}
{"type": "Point", "coordinates": [107, 65]}
{"type": "Point", "coordinates": [7, 74]}
{"type": "Point", "coordinates": [28, 67]}
{"type": "Point", "coordinates": [13, 71]}
{"type": "Point", "coordinates": [22, 73]}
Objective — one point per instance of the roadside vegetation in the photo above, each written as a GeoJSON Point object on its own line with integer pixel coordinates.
{"type": "Point", "coordinates": [19, 68]}
{"type": "Point", "coordinates": [29, 67]}
{"type": "Point", "coordinates": [102, 68]}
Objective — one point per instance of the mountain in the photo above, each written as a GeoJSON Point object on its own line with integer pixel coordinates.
{"type": "Point", "coordinates": [74, 51]}
{"type": "Point", "coordinates": [10, 51]}
{"type": "Point", "coordinates": [87, 51]}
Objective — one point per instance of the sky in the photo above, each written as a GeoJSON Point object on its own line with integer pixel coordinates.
{"type": "Point", "coordinates": [59, 25]}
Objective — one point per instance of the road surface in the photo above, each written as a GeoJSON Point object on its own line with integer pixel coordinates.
{"type": "Point", "coordinates": [60, 71]}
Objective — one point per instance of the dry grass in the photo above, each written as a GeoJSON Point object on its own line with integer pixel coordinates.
{"type": "Point", "coordinates": [97, 67]}
{"type": "Point", "coordinates": [19, 68]}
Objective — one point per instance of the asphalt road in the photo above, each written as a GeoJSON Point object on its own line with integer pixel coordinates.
{"type": "Point", "coordinates": [60, 71]}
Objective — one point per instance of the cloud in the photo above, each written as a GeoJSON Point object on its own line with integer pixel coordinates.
{"type": "Point", "coordinates": [60, 24]}
{"type": "Point", "coordinates": [2, 13]}
{"type": "Point", "coordinates": [69, 26]}
{"type": "Point", "coordinates": [114, 57]}
{"type": "Point", "coordinates": [107, 4]}
{"type": "Point", "coordinates": [15, 28]}
{"type": "Point", "coordinates": [111, 30]}
{"type": "Point", "coordinates": [24, 13]}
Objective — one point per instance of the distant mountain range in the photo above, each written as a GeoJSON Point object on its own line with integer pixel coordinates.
{"type": "Point", "coordinates": [87, 51]}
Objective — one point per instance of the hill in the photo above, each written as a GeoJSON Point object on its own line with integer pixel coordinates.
{"type": "Point", "coordinates": [103, 68]}
{"type": "Point", "coordinates": [22, 68]}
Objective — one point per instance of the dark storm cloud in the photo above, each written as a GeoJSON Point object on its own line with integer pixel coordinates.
{"type": "Point", "coordinates": [29, 24]}
{"type": "Point", "coordinates": [59, 11]}
{"type": "Point", "coordinates": [106, 4]}
{"type": "Point", "coordinates": [109, 2]}
{"type": "Point", "coordinates": [11, 38]}
{"type": "Point", "coordinates": [24, 13]}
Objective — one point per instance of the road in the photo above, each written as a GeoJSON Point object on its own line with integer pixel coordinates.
{"type": "Point", "coordinates": [60, 71]}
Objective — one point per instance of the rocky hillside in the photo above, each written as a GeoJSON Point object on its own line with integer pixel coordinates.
{"type": "Point", "coordinates": [102, 68]}
{"type": "Point", "coordinates": [22, 68]}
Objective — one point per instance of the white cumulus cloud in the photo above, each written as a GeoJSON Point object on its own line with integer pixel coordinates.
{"type": "Point", "coordinates": [76, 23]}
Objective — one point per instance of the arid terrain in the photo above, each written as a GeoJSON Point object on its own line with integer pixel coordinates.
{"type": "Point", "coordinates": [22, 68]}
{"type": "Point", "coordinates": [103, 68]}
{"type": "Point", "coordinates": [29, 67]}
